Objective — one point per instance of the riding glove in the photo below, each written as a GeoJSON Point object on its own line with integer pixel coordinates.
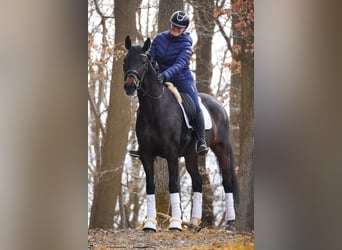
{"type": "Point", "coordinates": [161, 78]}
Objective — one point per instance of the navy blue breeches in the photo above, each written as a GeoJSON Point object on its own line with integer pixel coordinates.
{"type": "Point", "coordinates": [188, 86]}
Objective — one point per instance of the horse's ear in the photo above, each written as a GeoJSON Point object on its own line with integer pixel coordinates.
{"type": "Point", "coordinates": [147, 44]}
{"type": "Point", "coordinates": [128, 43]}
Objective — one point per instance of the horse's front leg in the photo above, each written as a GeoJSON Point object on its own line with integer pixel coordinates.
{"type": "Point", "coordinates": [150, 223]}
{"type": "Point", "coordinates": [175, 220]}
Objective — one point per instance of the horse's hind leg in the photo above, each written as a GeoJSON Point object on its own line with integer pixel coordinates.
{"type": "Point", "coordinates": [222, 153]}
{"type": "Point", "coordinates": [191, 162]}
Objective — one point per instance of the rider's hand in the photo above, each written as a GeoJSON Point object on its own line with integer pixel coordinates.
{"type": "Point", "coordinates": [161, 78]}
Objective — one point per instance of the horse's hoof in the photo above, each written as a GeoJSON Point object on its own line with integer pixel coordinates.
{"type": "Point", "coordinates": [194, 221]}
{"type": "Point", "coordinates": [230, 226]}
{"type": "Point", "coordinates": [149, 230]}
{"type": "Point", "coordinates": [194, 225]}
{"type": "Point", "coordinates": [175, 224]}
{"type": "Point", "coordinates": [150, 225]}
{"type": "Point", "coordinates": [176, 230]}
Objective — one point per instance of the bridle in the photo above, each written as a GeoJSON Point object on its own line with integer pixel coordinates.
{"type": "Point", "coordinates": [140, 78]}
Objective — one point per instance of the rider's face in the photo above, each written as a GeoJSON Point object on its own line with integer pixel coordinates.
{"type": "Point", "coordinates": [176, 31]}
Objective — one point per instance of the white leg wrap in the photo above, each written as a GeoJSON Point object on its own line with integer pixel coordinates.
{"type": "Point", "coordinates": [151, 206]}
{"type": "Point", "coordinates": [230, 212]}
{"type": "Point", "coordinates": [150, 223]}
{"type": "Point", "coordinates": [175, 205]}
{"type": "Point", "coordinates": [175, 223]}
{"type": "Point", "coordinates": [175, 220]}
{"type": "Point", "coordinates": [197, 205]}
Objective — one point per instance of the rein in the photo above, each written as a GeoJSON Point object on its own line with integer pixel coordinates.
{"type": "Point", "coordinates": [151, 96]}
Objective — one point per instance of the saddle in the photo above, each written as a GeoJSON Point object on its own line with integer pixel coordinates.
{"type": "Point", "coordinates": [189, 108]}
{"type": "Point", "coordinates": [189, 112]}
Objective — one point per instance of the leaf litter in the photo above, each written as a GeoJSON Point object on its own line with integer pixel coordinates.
{"type": "Point", "coordinates": [205, 239]}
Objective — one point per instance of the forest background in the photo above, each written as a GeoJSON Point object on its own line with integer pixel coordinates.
{"type": "Point", "coordinates": [44, 125]}
{"type": "Point", "coordinates": [223, 66]}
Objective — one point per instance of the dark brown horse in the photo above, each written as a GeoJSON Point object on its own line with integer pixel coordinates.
{"type": "Point", "coordinates": [162, 131]}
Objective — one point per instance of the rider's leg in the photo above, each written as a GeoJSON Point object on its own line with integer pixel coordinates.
{"type": "Point", "coordinates": [199, 128]}
{"type": "Point", "coordinates": [198, 123]}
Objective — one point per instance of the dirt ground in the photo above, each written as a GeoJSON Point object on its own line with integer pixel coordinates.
{"type": "Point", "coordinates": [99, 239]}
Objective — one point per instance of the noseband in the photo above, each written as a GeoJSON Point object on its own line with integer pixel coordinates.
{"type": "Point", "coordinates": [135, 74]}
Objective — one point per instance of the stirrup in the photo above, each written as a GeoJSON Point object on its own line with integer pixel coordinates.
{"type": "Point", "coordinates": [134, 153]}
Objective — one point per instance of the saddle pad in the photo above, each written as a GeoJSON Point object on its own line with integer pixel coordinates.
{"type": "Point", "coordinates": [207, 120]}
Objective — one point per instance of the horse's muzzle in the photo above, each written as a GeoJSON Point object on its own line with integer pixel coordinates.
{"type": "Point", "coordinates": [131, 83]}
{"type": "Point", "coordinates": [130, 88]}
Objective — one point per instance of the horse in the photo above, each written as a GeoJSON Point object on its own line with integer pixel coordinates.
{"type": "Point", "coordinates": [161, 131]}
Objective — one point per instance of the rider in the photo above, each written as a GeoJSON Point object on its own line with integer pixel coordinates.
{"type": "Point", "coordinates": [171, 50]}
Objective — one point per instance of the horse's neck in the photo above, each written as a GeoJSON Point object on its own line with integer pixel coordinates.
{"type": "Point", "coordinates": [151, 88]}
{"type": "Point", "coordinates": [151, 77]}
{"type": "Point", "coordinates": [157, 98]}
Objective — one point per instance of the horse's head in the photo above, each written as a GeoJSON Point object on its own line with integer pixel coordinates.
{"type": "Point", "coordinates": [135, 65]}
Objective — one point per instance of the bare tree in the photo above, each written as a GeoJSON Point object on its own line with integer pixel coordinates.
{"type": "Point", "coordinates": [117, 199]}
{"type": "Point", "coordinates": [241, 47]}
{"type": "Point", "coordinates": [166, 8]}
{"type": "Point", "coordinates": [108, 185]}
{"type": "Point", "coordinates": [99, 59]}
{"type": "Point", "coordinates": [243, 56]}
{"type": "Point", "coordinates": [204, 24]}
{"type": "Point", "coordinates": [224, 15]}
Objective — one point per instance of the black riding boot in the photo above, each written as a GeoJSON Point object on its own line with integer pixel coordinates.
{"type": "Point", "coordinates": [198, 125]}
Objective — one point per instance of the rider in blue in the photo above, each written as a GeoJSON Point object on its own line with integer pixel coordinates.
{"type": "Point", "coordinates": [171, 50]}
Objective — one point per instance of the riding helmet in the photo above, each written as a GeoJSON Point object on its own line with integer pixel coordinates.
{"type": "Point", "coordinates": [180, 19]}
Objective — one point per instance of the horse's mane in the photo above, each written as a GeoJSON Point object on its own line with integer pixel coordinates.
{"type": "Point", "coordinates": [174, 91]}
{"type": "Point", "coordinates": [170, 86]}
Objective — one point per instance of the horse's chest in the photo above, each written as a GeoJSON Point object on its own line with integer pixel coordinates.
{"type": "Point", "coordinates": [155, 128]}
{"type": "Point", "coordinates": [158, 130]}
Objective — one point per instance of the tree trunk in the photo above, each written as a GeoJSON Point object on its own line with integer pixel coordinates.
{"type": "Point", "coordinates": [161, 177]}
{"type": "Point", "coordinates": [166, 8]}
{"type": "Point", "coordinates": [246, 172]}
{"type": "Point", "coordinates": [244, 57]}
{"type": "Point", "coordinates": [107, 186]}
{"type": "Point", "coordinates": [235, 96]}
{"type": "Point", "coordinates": [208, 218]}
{"type": "Point", "coordinates": [204, 24]}
{"type": "Point", "coordinates": [234, 115]}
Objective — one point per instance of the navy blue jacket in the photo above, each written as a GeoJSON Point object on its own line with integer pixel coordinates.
{"type": "Point", "coordinates": [172, 55]}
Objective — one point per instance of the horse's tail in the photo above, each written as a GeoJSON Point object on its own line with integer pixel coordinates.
{"type": "Point", "coordinates": [236, 191]}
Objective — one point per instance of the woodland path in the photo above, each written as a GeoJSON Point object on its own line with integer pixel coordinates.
{"type": "Point", "coordinates": [99, 239]}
